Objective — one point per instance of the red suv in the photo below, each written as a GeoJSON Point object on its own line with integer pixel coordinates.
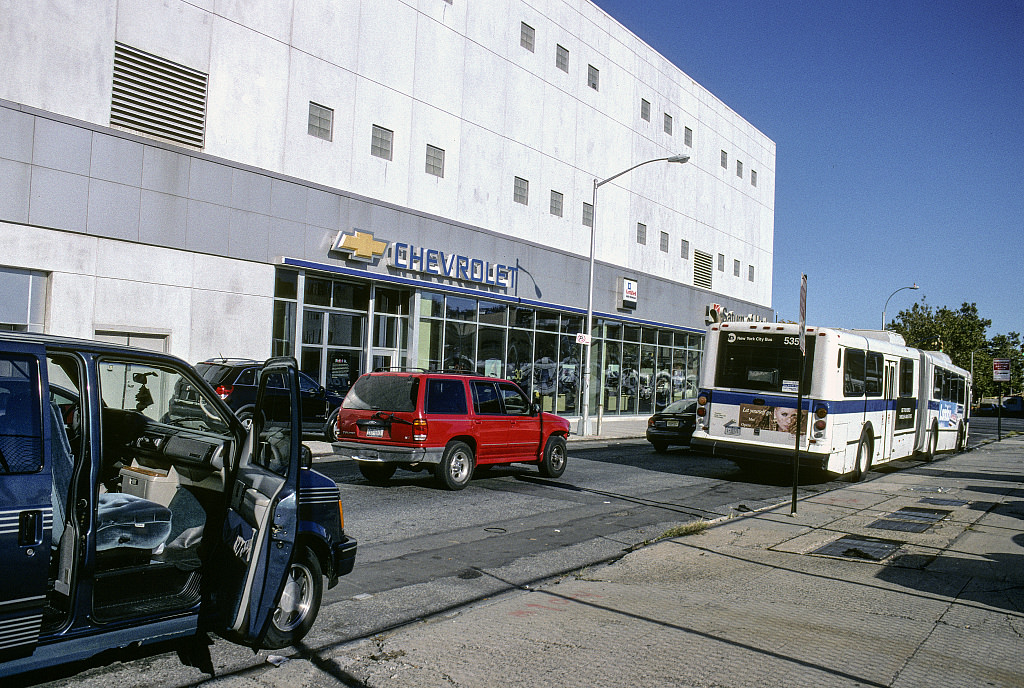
{"type": "Point", "coordinates": [447, 422]}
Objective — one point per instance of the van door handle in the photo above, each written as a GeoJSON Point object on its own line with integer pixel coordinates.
{"type": "Point", "coordinates": [30, 529]}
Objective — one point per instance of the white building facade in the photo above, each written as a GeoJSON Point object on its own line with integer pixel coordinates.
{"type": "Point", "coordinates": [370, 183]}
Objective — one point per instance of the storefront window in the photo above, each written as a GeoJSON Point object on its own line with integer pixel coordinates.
{"type": "Point", "coordinates": [522, 317]}
{"type": "Point", "coordinates": [545, 369]}
{"type": "Point", "coordinates": [629, 378]}
{"type": "Point", "coordinates": [519, 363]}
{"type": "Point", "coordinates": [493, 313]}
{"type": "Point", "coordinates": [286, 285]}
{"type": "Point", "coordinates": [431, 305]}
{"type": "Point", "coordinates": [318, 292]}
{"type": "Point", "coordinates": [429, 356]}
{"type": "Point", "coordinates": [491, 357]}
{"type": "Point", "coordinates": [344, 329]}
{"type": "Point", "coordinates": [460, 346]}
{"type": "Point", "coordinates": [612, 370]}
{"type": "Point", "coordinates": [313, 328]}
{"type": "Point", "coordinates": [354, 297]}
{"type": "Point", "coordinates": [647, 378]}
{"type": "Point", "coordinates": [458, 308]}
{"type": "Point", "coordinates": [547, 321]}
{"type": "Point", "coordinates": [284, 329]}
{"type": "Point", "coordinates": [569, 371]}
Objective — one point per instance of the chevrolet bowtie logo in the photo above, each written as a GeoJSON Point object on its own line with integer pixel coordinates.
{"type": "Point", "coordinates": [361, 245]}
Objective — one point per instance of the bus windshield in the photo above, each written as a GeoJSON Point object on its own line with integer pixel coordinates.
{"type": "Point", "coordinates": [765, 362]}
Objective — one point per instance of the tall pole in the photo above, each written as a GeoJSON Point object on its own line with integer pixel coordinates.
{"type": "Point", "coordinates": [584, 428]}
{"type": "Point", "coordinates": [585, 418]}
{"type": "Point", "coordinates": [886, 306]}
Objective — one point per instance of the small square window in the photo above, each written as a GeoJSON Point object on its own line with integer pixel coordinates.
{"type": "Point", "coordinates": [435, 161]}
{"type": "Point", "coordinates": [668, 124]}
{"type": "Point", "coordinates": [321, 121]}
{"type": "Point", "coordinates": [750, 273]}
{"type": "Point", "coordinates": [556, 203]}
{"type": "Point", "coordinates": [588, 215]}
{"type": "Point", "coordinates": [684, 249]}
{"type": "Point", "coordinates": [522, 191]}
{"type": "Point", "coordinates": [721, 262]}
{"type": "Point", "coordinates": [688, 136]}
{"type": "Point", "coordinates": [645, 110]}
{"type": "Point", "coordinates": [753, 177]}
{"type": "Point", "coordinates": [380, 144]}
{"type": "Point", "coordinates": [593, 77]}
{"type": "Point", "coordinates": [725, 160]}
{"type": "Point", "coordinates": [664, 242]}
{"type": "Point", "coordinates": [641, 233]}
{"type": "Point", "coordinates": [735, 268]}
{"type": "Point", "coordinates": [526, 36]}
{"type": "Point", "coordinates": [562, 58]}
{"type": "Point", "coordinates": [739, 169]}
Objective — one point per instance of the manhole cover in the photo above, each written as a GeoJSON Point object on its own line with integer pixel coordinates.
{"type": "Point", "coordinates": [938, 501]}
{"type": "Point", "coordinates": [911, 519]}
{"type": "Point", "coordinates": [859, 547]}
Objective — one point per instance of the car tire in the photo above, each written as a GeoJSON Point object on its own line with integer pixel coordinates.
{"type": "Point", "coordinates": [863, 459]}
{"type": "Point", "coordinates": [660, 447]}
{"type": "Point", "coordinates": [299, 604]}
{"type": "Point", "coordinates": [553, 463]}
{"type": "Point", "coordinates": [331, 428]}
{"type": "Point", "coordinates": [377, 473]}
{"type": "Point", "coordinates": [456, 467]}
{"type": "Point", "coordinates": [932, 444]}
{"type": "Point", "coordinates": [245, 415]}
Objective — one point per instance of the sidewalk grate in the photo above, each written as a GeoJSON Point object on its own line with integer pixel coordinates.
{"type": "Point", "coordinates": [911, 519]}
{"type": "Point", "coordinates": [859, 547]}
{"type": "Point", "coordinates": [938, 501]}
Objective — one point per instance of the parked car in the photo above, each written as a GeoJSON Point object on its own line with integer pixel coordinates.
{"type": "Point", "coordinates": [448, 423]}
{"type": "Point", "coordinates": [140, 509]}
{"type": "Point", "coordinates": [673, 425]}
{"type": "Point", "coordinates": [234, 380]}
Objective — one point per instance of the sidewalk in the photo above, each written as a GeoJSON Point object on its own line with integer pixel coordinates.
{"type": "Point", "coordinates": [754, 601]}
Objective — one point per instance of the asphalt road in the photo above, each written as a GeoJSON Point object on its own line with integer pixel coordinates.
{"type": "Point", "coordinates": [424, 550]}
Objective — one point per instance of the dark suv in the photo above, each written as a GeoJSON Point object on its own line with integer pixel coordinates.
{"type": "Point", "coordinates": [449, 423]}
{"type": "Point", "coordinates": [136, 507]}
{"type": "Point", "coordinates": [235, 381]}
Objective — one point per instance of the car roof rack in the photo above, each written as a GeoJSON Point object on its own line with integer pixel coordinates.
{"type": "Point", "coordinates": [230, 360]}
{"type": "Point", "coordinates": [399, 369]}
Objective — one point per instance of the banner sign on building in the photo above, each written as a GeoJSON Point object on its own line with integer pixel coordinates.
{"type": "Point", "coordinates": [629, 292]}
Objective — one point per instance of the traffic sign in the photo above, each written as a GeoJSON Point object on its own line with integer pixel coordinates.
{"type": "Point", "coordinates": [1000, 370]}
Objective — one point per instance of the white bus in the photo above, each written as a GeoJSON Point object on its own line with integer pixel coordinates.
{"type": "Point", "coordinates": [868, 398]}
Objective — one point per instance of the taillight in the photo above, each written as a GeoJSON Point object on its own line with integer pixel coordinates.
{"type": "Point", "coordinates": [341, 515]}
{"type": "Point", "coordinates": [701, 411]}
{"type": "Point", "coordinates": [819, 425]}
{"type": "Point", "coordinates": [223, 391]}
{"type": "Point", "coordinates": [702, 401]}
{"type": "Point", "coordinates": [419, 429]}
{"type": "Point", "coordinates": [650, 422]}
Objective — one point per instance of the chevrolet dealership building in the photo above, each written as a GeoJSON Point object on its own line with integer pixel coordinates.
{"type": "Point", "coordinates": [377, 183]}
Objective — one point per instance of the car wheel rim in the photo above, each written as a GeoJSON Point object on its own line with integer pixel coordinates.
{"type": "Point", "coordinates": [296, 599]}
{"type": "Point", "coordinates": [459, 467]}
{"type": "Point", "coordinates": [557, 458]}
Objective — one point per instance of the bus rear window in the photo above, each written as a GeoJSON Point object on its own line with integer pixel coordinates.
{"type": "Point", "coordinates": [762, 362]}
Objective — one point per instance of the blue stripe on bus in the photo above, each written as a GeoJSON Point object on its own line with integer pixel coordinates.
{"type": "Point", "coordinates": [858, 405]}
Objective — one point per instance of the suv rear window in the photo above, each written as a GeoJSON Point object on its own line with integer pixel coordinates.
{"type": "Point", "coordinates": [383, 393]}
{"type": "Point", "coordinates": [446, 396]}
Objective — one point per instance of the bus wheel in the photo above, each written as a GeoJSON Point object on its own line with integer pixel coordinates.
{"type": "Point", "coordinates": [863, 465]}
{"type": "Point", "coordinates": [933, 444]}
{"type": "Point", "coordinates": [961, 438]}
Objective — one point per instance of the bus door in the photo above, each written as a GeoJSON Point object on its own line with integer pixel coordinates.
{"type": "Point", "coordinates": [889, 420]}
{"type": "Point", "coordinates": [26, 509]}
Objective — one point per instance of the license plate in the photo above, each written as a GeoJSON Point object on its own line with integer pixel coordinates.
{"type": "Point", "coordinates": [671, 424]}
{"type": "Point", "coordinates": [732, 429]}
{"type": "Point", "coordinates": [374, 432]}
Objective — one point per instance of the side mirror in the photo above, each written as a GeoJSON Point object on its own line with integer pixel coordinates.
{"type": "Point", "coordinates": [535, 409]}
{"type": "Point", "coordinates": [306, 457]}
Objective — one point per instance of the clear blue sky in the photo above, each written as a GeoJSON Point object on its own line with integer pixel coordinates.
{"type": "Point", "coordinates": [899, 132]}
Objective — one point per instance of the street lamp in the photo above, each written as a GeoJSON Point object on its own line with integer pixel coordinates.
{"type": "Point", "coordinates": [584, 428]}
{"type": "Point", "coordinates": [913, 286]}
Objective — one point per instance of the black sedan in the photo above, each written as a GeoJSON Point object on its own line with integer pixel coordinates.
{"type": "Point", "coordinates": [672, 425]}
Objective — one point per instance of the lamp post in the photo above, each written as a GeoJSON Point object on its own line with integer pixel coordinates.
{"type": "Point", "coordinates": [884, 308]}
{"type": "Point", "coordinates": [584, 428]}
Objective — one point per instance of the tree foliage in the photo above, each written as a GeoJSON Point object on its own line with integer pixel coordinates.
{"type": "Point", "coordinates": [962, 334]}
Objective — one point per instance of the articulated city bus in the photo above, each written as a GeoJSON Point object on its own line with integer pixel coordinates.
{"type": "Point", "coordinates": [868, 398]}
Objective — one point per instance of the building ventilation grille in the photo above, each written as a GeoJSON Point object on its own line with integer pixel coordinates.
{"type": "Point", "coordinates": [157, 97]}
{"type": "Point", "coordinates": [702, 269]}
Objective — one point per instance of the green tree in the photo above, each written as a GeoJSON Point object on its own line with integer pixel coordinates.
{"type": "Point", "coordinates": [961, 334]}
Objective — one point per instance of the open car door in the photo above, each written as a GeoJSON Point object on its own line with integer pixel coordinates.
{"type": "Point", "coordinates": [26, 508]}
{"type": "Point", "coordinates": [262, 519]}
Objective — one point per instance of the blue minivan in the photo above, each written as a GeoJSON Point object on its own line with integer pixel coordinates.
{"type": "Point", "coordinates": [135, 507]}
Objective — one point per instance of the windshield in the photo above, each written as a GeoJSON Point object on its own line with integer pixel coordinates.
{"type": "Point", "coordinates": [383, 393]}
{"type": "Point", "coordinates": [681, 406]}
{"type": "Point", "coordinates": [762, 362]}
